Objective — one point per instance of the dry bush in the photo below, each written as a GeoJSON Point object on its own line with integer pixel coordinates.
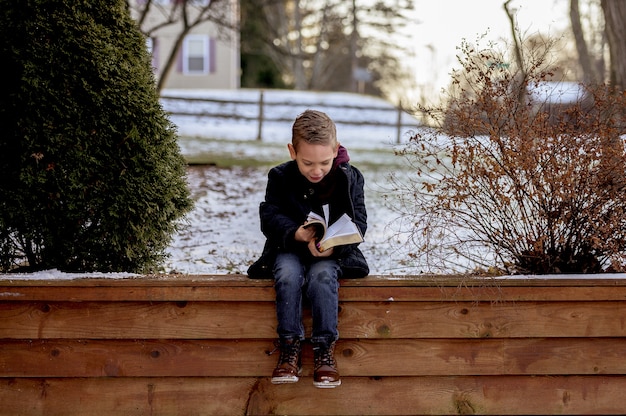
{"type": "Point", "coordinates": [512, 184]}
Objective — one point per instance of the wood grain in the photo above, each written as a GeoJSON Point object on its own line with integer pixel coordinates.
{"type": "Point", "coordinates": [164, 345]}
{"type": "Point", "coordinates": [368, 320]}
{"type": "Point", "coordinates": [251, 358]}
{"type": "Point", "coordinates": [500, 395]}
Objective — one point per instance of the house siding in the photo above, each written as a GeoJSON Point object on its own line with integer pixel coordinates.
{"type": "Point", "coordinates": [223, 66]}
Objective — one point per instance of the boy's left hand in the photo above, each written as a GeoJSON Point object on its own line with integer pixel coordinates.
{"type": "Point", "coordinates": [316, 253]}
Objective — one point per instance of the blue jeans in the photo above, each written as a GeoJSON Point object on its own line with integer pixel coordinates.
{"type": "Point", "coordinates": [318, 280]}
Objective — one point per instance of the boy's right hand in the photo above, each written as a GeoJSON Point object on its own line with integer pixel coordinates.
{"type": "Point", "coordinates": [304, 234]}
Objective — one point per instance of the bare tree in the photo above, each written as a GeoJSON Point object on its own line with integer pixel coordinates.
{"type": "Point", "coordinates": [300, 39]}
{"type": "Point", "coordinates": [615, 20]}
{"type": "Point", "coordinates": [318, 45]}
{"type": "Point", "coordinates": [519, 52]}
{"type": "Point", "coordinates": [584, 57]}
{"type": "Point", "coordinates": [519, 55]}
{"type": "Point", "coordinates": [153, 16]}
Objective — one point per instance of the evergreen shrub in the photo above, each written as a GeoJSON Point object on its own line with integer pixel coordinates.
{"type": "Point", "coordinates": [92, 175]}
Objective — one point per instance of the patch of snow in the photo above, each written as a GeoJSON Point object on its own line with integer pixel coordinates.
{"type": "Point", "coordinates": [551, 92]}
{"type": "Point", "coordinates": [223, 233]}
{"type": "Point", "coordinates": [54, 274]}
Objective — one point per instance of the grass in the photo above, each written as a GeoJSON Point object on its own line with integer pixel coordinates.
{"type": "Point", "coordinates": [226, 161]}
{"type": "Point", "coordinates": [252, 153]}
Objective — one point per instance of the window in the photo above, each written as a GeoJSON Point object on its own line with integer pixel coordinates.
{"type": "Point", "coordinates": [151, 44]}
{"type": "Point", "coordinates": [196, 54]}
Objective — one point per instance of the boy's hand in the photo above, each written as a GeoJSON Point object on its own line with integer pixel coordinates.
{"type": "Point", "coordinates": [305, 234]}
{"type": "Point", "coordinates": [316, 253]}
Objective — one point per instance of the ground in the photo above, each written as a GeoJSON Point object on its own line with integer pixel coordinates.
{"type": "Point", "coordinates": [222, 234]}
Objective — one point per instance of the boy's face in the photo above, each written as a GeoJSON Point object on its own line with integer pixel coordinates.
{"type": "Point", "coordinates": [314, 160]}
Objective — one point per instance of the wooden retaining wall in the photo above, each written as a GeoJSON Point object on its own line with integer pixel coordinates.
{"type": "Point", "coordinates": [199, 345]}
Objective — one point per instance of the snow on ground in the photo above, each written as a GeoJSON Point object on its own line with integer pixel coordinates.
{"type": "Point", "coordinates": [224, 234]}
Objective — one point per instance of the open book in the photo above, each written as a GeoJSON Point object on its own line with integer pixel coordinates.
{"type": "Point", "coordinates": [343, 231]}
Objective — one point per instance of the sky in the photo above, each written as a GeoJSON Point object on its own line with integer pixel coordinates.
{"type": "Point", "coordinates": [441, 25]}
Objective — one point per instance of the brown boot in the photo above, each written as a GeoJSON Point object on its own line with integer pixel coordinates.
{"type": "Point", "coordinates": [289, 365]}
{"type": "Point", "coordinates": [325, 375]}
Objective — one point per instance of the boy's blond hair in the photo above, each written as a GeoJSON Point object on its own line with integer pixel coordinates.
{"type": "Point", "coordinates": [314, 127]}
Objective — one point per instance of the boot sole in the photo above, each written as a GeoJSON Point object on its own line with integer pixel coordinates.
{"type": "Point", "coordinates": [327, 384]}
{"type": "Point", "coordinates": [285, 380]}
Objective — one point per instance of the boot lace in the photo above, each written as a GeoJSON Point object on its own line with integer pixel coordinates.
{"type": "Point", "coordinates": [289, 353]}
{"type": "Point", "coordinates": [325, 356]}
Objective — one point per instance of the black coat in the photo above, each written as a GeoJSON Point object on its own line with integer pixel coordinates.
{"type": "Point", "coordinates": [290, 197]}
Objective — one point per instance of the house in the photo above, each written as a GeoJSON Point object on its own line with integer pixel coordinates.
{"type": "Point", "coordinates": [208, 57]}
{"type": "Point", "coordinates": [558, 100]}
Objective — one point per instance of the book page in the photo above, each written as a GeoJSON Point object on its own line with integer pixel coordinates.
{"type": "Point", "coordinates": [343, 231]}
{"type": "Point", "coordinates": [315, 220]}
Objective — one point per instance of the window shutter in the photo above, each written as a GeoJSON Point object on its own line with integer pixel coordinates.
{"type": "Point", "coordinates": [212, 55]}
{"type": "Point", "coordinates": [179, 61]}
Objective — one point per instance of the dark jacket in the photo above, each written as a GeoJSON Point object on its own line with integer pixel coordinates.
{"type": "Point", "coordinates": [290, 197]}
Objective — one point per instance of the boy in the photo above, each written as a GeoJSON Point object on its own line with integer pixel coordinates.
{"type": "Point", "coordinates": [318, 174]}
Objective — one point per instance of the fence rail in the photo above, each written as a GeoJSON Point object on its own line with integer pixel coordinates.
{"type": "Point", "coordinates": [262, 113]}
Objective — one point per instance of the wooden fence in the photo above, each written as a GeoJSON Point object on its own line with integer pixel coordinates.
{"type": "Point", "coordinates": [261, 111]}
{"type": "Point", "coordinates": [199, 345]}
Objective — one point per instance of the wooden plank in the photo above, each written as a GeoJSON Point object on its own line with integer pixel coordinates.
{"type": "Point", "coordinates": [450, 395]}
{"type": "Point", "coordinates": [480, 294]}
{"type": "Point", "coordinates": [164, 320]}
{"type": "Point", "coordinates": [356, 396]}
{"type": "Point", "coordinates": [366, 320]}
{"type": "Point", "coordinates": [422, 280]}
{"type": "Point", "coordinates": [140, 293]}
{"type": "Point", "coordinates": [250, 358]}
{"type": "Point", "coordinates": [506, 356]}
{"type": "Point", "coordinates": [124, 396]}
{"type": "Point", "coordinates": [372, 288]}
{"type": "Point", "coordinates": [482, 320]}
{"type": "Point", "coordinates": [347, 293]}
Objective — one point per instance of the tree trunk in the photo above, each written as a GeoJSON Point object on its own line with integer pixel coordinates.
{"type": "Point", "coordinates": [354, 38]}
{"type": "Point", "coordinates": [171, 61]}
{"type": "Point", "coordinates": [615, 23]}
{"type": "Point", "coordinates": [519, 57]}
{"type": "Point", "coordinates": [589, 75]}
{"type": "Point", "coordinates": [298, 69]}
{"type": "Point", "coordinates": [615, 19]}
